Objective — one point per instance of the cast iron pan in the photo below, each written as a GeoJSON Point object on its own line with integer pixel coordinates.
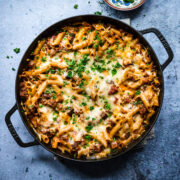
{"type": "Point", "coordinates": [51, 30]}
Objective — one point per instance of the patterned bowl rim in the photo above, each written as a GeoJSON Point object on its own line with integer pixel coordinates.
{"type": "Point", "coordinates": [125, 9]}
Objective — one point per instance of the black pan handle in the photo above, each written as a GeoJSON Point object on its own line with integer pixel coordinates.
{"type": "Point", "coordinates": [13, 131]}
{"type": "Point", "coordinates": [165, 44]}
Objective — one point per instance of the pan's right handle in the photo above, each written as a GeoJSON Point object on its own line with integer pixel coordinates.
{"type": "Point", "coordinates": [13, 131]}
{"type": "Point", "coordinates": [165, 44]}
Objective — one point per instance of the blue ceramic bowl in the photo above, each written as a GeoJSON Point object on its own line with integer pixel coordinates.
{"type": "Point", "coordinates": [124, 6]}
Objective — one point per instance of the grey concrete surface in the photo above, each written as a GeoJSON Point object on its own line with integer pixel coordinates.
{"type": "Point", "coordinates": [20, 22]}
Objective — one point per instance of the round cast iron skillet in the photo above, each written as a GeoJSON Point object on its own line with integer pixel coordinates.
{"type": "Point", "coordinates": [52, 29]}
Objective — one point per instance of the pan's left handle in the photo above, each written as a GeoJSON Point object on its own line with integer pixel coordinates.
{"type": "Point", "coordinates": [13, 131]}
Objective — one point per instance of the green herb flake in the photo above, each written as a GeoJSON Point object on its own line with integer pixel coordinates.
{"type": "Point", "coordinates": [138, 92]}
{"type": "Point", "coordinates": [13, 69]}
{"type": "Point", "coordinates": [40, 105]}
{"type": "Point", "coordinates": [54, 96]}
{"type": "Point", "coordinates": [70, 74]}
{"type": "Point", "coordinates": [55, 118]}
{"type": "Point", "coordinates": [107, 106]}
{"type": "Point", "coordinates": [88, 137]}
{"type": "Point", "coordinates": [76, 6]}
{"type": "Point", "coordinates": [43, 59]}
{"type": "Point", "coordinates": [93, 119]}
{"type": "Point", "coordinates": [98, 13]}
{"type": "Point", "coordinates": [114, 72]}
{"type": "Point", "coordinates": [117, 65]}
{"type": "Point", "coordinates": [75, 53]}
{"type": "Point", "coordinates": [37, 67]}
{"type": "Point", "coordinates": [17, 50]}
{"type": "Point", "coordinates": [137, 102]}
{"type": "Point", "coordinates": [91, 108]}
{"type": "Point", "coordinates": [89, 128]}
{"type": "Point", "coordinates": [84, 103]}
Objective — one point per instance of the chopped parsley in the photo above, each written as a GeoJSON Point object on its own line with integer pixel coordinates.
{"type": "Point", "coordinates": [128, 1]}
{"type": "Point", "coordinates": [13, 69]}
{"type": "Point", "coordinates": [91, 108]}
{"type": "Point", "coordinates": [76, 6]}
{"type": "Point", "coordinates": [137, 102]}
{"type": "Point", "coordinates": [89, 128]}
{"type": "Point", "coordinates": [47, 91]}
{"type": "Point", "coordinates": [98, 13]}
{"type": "Point", "coordinates": [82, 83]}
{"type": "Point", "coordinates": [117, 65]}
{"type": "Point", "coordinates": [138, 92]}
{"type": "Point", "coordinates": [70, 74]}
{"type": "Point", "coordinates": [65, 83]}
{"type": "Point", "coordinates": [54, 96]}
{"type": "Point", "coordinates": [55, 118]}
{"type": "Point", "coordinates": [75, 53]}
{"type": "Point", "coordinates": [84, 103]}
{"type": "Point", "coordinates": [114, 71]}
{"type": "Point", "coordinates": [16, 50]}
{"type": "Point", "coordinates": [43, 59]}
{"type": "Point", "coordinates": [109, 51]}
{"type": "Point", "coordinates": [107, 106]}
{"type": "Point", "coordinates": [7, 57]}
{"type": "Point", "coordinates": [87, 137]}
{"type": "Point", "coordinates": [40, 105]}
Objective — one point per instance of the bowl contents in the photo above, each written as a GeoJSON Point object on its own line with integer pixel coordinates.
{"type": "Point", "coordinates": [126, 4]}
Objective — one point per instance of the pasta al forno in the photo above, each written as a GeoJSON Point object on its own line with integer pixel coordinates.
{"type": "Point", "coordinates": [90, 90]}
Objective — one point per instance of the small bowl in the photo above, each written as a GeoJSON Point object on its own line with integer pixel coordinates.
{"type": "Point", "coordinates": [122, 6]}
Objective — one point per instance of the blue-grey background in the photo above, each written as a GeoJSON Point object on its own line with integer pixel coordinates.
{"type": "Point", "coordinates": [20, 22]}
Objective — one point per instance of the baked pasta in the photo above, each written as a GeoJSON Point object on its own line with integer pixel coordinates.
{"type": "Point", "coordinates": [89, 90]}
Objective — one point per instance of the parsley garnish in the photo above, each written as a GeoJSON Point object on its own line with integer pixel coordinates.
{"type": "Point", "coordinates": [128, 1]}
{"type": "Point", "coordinates": [75, 53]}
{"type": "Point", "coordinates": [75, 6]}
{"type": "Point", "coordinates": [114, 71]}
{"type": "Point", "coordinates": [107, 106]}
{"type": "Point", "coordinates": [138, 92]}
{"type": "Point", "coordinates": [117, 65]}
{"type": "Point", "coordinates": [88, 128]}
{"type": "Point", "coordinates": [87, 137]}
{"type": "Point", "coordinates": [137, 102]}
{"type": "Point", "coordinates": [91, 108]}
{"type": "Point", "coordinates": [16, 50]}
{"type": "Point", "coordinates": [98, 13]}
{"type": "Point", "coordinates": [55, 118]}
{"type": "Point", "coordinates": [43, 59]}
{"type": "Point", "coordinates": [84, 103]}
{"type": "Point", "coordinates": [54, 96]}
{"type": "Point", "coordinates": [70, 75]}
{"type": "Point", "coordinates": [13, 69]}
